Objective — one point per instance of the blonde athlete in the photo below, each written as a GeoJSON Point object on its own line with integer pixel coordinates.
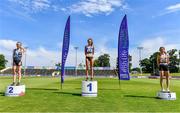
{"type": "Point", "coordinates": [17, 63]}
{"type": "Point", "coordinates": [163, 62]}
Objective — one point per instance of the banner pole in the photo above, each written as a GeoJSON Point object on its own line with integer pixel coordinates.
{"type": "Point", "coordinates": [61, 86]}
{"type": "Point", "coordinates": [119, 84]}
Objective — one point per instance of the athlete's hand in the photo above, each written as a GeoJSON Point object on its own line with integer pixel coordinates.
{"type": "Point", "coordinates": [19, 63]}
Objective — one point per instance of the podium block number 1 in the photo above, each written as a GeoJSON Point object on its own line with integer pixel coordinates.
{"type": "Point", "coordinates": [90, 86]}
{"type": "Point", "coordinates": [10, 89]}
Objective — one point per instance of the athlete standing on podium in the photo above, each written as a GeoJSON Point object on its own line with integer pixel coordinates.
{"type": "Point", "coordinates": [163, 62]}
{"type": "Point", "coordinates": [17, 62]}
{"type": "Point", "coordinates": [89, 53]}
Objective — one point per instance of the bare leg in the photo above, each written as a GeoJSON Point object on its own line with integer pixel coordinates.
{"type": "Point", "coordinates": [91, 67]}
{"type": "Point", "coordinates": [167, 79]}
{"type": "Point", "coordinates": [14, 74]}
{"type": "Point", "coordinates": [86, 69]}
{"type": "Point", "coordinates": [19, 74]}
{"type": "Point", "coordinates": [161, 80]}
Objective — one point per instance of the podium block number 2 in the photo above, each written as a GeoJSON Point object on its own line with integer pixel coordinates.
{"type": "Point", "coordinates": [90, 86]}
{"type": "Point", "coordinates": [10, 89]}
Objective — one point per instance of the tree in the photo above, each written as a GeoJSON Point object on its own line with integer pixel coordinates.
{"type": "Point", "coordinates": [58, 64]}
{"type": "Point", "coordinates": [137, 69]}
{"type": "Point", "coordinates": [130, 63]}
{"type": "Point", "coordinates": [102, 61]}
{"type": "Point", "coordinates": [149, 65]}
{"type": "Point", "coordinates": [174, 61]}
{"type": "Point", "coordinates": [96, 63]}
{"type": "Point", "coordinates": [153, 60]}
{"type": "Point", "coordinates": [3, 61]}
{"type": "Point", "coordinates": [146, 65]}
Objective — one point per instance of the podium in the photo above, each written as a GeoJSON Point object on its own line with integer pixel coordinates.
{"type": "Point", "coordinates": [14, 91]}
{"type": "Point", "coordinates": [89, 88]}
{"type": "Point", "coordinates": [164, 95]}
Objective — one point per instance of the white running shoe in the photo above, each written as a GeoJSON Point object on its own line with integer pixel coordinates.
{"type": "Point", "coordinates": [163, 90]}
{"type": "Point", "coordinates": [168, 90]}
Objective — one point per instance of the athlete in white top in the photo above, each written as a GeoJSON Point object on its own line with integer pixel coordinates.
{"type": "Point", "coordinates": [89, 53]}
{"type": "Point", "coordinates": [163, 62]}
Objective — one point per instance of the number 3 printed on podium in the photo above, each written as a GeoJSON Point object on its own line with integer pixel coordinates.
{"type": "Point", "coordinates": [169, 95]}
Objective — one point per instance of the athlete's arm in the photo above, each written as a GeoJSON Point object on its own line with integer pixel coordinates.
{"type": "Point", "coordinates": [85, 50]}
{"type": "Point", "coordinates": [93, 50]}
{"type": "Point", "coordinates": [168, 59]}
{"type": "Point", "coordinates": [13, 57]}
{"type": "Point", "coordinates": [23, 50]}
{"type": "Point", "coordinates": [157, 60]}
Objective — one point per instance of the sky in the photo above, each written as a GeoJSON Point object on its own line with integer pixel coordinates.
{"type": "Point", "coordinates": [39, 25]}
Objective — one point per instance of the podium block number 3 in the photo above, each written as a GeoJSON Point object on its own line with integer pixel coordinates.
{"type": "Point", "coordinates": [169, 95]}
{"type": "Point", "coordinates": [90, 86]}
{"type": "Point", "coordinates": [10, 89]}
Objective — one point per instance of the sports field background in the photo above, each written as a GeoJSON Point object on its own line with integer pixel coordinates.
{"type": "Point", "coordinates": [43, 94]}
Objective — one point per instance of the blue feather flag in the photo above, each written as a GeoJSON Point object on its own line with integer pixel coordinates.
{"type": "Point", "coordinates": [65, 48]}
{"type": "Point", "coordinates": [123, 51]}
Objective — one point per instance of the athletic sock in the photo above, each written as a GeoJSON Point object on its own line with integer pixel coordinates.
{"type": "Point", "coordinates": [18, 84]}
{"type": "Point", "coordinates": [13, 84]}
{"type": "Point", "coordinates": [162, 90]}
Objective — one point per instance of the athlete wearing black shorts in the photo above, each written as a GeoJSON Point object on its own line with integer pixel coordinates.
{"type": "Point", "coordinates": [17, 62]}
{"type": "Point", "coordinates": [163, 67]}
{"type": "Point", "coordinates": [89, 53]}
{"type": "Point", "coordinates": [162, 62]}
{"type": "Point", "coordinates": [17, 57]}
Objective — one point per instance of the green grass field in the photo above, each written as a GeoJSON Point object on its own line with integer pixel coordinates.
{"type": "Point", "coordinates": [43, 94]}
{"type": "Point", "coordinates": [148, 74]}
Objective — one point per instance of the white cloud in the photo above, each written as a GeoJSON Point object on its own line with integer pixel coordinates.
{"type": "Point", "coordinates": [7, 44]}
{"type": "Point", "coordinates": [153, 44]}
{"type": "Point", "coordinates": [24, 9]}
{"type": "Point", "coordinates": [92, 7]}
{"type": "Point", "coordinates": [39, 5]}
{"type": "Point", "coordinates": [40, 56]}
{"type": "Point", "coordinates": [170, 9]}
{"type": "Point", "coordinates": [102, 48]}
{"type": "Point", "coordinates": [173, 8]}
{"type": "Point", "coordinates": [32, 6]}
{"type": "Point", "coordinates": [6, 48]}
{"type": "Point", "coordinates": [37, 57]}
{"type": "Point", "coordinates": [86, 7]}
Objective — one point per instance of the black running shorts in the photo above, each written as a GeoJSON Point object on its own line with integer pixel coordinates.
{"type": "Point", "coordinates": [17, 63]}
{"type": "Point", "coordinates": [163, 67]}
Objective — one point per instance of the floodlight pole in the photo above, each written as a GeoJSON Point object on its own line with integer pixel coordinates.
{"type": "Point", "coordinates": [76, 48]}
{"type": "Point", "coordinates": [25, 55]}
{"type": "Point", "coordinates": [140, 57]}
